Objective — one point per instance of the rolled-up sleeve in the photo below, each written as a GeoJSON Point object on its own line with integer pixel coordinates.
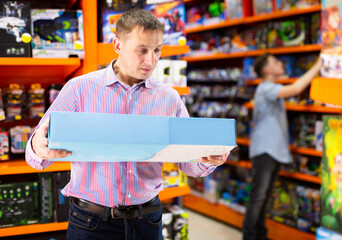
{"type": "Point", "coordinates": [67, 101]}
{"type": "Point", "coordinates": [195, 169]}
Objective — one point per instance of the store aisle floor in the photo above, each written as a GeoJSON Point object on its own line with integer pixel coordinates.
{"type": "Point", "coordinates": [204, 228]}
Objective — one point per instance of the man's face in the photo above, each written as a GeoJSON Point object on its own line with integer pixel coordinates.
{"type": "Point", "coordinates": [274, 67]}
{"type": "Point", "coordinates": [139, 53]}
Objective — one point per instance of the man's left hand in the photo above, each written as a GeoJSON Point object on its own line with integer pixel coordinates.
{"type": "Point", "coordinates": [215, 159]}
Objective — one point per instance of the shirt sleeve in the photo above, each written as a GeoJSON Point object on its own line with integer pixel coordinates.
{"type": "Point", "coordinates": [193, 169]}
{"type": "Point", "coordinates": [67, 101]}
{"type": "Point", "coordinates": [271, 91]}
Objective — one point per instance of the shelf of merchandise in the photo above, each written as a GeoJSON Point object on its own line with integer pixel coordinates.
{"type": "Point", "coordinates": [302, 108]}
{"type": "Point", "coordinates": [259, 80]}
{"type": "Point", "coordinates": [225, 214]}
{"type": "Point", "coordinates": [182, 90]}
{"type": "Point", "coordinates": [279, 14]}
{"type": "Point", "coordinates": [106, 52]}
{"type": "Point", "coordinates": [254, 19]}
{"type": "Point", "coordinates": [166, 194]}
{"type": "Point", "coordinates": [294, 149]}
{"type": "Point", "coordinates": [293, 175]}
{"type": "Point", "coordinates": [327, 90]}
{"type": "Point", "coordinates": [253, 53]}
{"type": "Point", "coordinates": [51, 69]}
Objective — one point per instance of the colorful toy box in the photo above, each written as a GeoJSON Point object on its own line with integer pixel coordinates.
{"type": "Point", "coordinates": [57, 33]}
{"type": "Point", "coordinates": [15, 29]}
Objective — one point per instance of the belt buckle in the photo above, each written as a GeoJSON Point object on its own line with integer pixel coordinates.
{"type": "Point", "coordinates": [112, 212]}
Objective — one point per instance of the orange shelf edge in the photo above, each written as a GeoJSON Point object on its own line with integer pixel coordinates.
{"type": "Point", "coordinates": [253, 53]}
{"type": "Point", "coordinates": [300, 108]}
{"type": "Point", "coordinates": [12, 167]}
{"type": "Point", "coordinates": [182, 90]}
{"type": "Point", "coordinates": [327, 90]}
{"type": "Point", "coordinates": [254, 19]}
{"type": "Point", "coordinates": [281, 81]}
{"type": "Point", "coordinates": [243, 141]}
{"type": "Point", "coordinates": [295, 175]}
{"type": "Point", "coordinates": [225, 214]}
{"type": "Point", "coordinates": [106, 52]}
{"type": "Point", "coordinates": [173, 192]}
{"type": "Point", "coordinates": [34, 228]}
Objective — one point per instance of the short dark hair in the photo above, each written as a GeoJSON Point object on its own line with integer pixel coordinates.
{"type": "Point", "coordinates": [260, 62]}
{"type": "Point", "coordinates": [137, 17]}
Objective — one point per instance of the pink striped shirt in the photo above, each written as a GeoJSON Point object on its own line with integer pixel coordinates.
{"type": "Point", "coordinates": [116, 183]}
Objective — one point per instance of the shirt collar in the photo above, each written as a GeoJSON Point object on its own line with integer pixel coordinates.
{"type": "Point", "coordinates": [111, 77]}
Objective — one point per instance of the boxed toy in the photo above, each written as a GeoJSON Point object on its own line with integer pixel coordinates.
{"type": "Point", "coordinates": [46, 199]}
{"type": "Point", "coordinates": [284, 206]}
{"type": "Point", "coordinates": [331, 188]}
{"type": "Point", "coordinates": [167, 224]}
{"type": "Point", "coordinates": [178, 73]}
{"type": "Point", "coordinates": [4, 145]}
{"type": "Point", "coordinates": [172, 15]}
{"type": "Point", "coordinates": [109, 13]}
{"type": "Point", "coordinates": [172, 176]}
{"type": "Point", "coordinates": [262, 7]}
{"type": "Point", "coordinates": [331, 38]}
{"type": "Point", "coordinates": [19, 204]}
{"type": "Point", "coordinates": [57, 33]}
{"type": "Point", "coordinates": [15, 102]}
{"type": "Point", "coordinates": [193, 17]}
{"type": "Point", "coordinates": [234, 9]}
{"type": "Point", "coordinates": [36, 101]}
{"type": "Point", "coordinates": [15, 29]}
{"type": "Point", "coordinates": [180, 222]}
{"type": "Point", "coordinates": [100, 137]}
{"type": "Point", "coordinates": [19, 137]}
{"type": "Point", "coordinates": [214, 12]}
{"type": "Point", "coordinates": [325, 234]}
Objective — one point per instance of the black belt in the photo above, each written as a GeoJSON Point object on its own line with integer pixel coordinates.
{"type": "Point", "coordinates": [125, 212]}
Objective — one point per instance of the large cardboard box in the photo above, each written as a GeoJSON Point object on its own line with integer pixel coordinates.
{"type": "Point", "coordinates": [95, 137]}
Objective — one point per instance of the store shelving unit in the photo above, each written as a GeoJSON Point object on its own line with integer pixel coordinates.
{"type": "Point", "coordinates": [167, 193]}
{"type": "Point", "coordinates": [46, 71]}
{"type": "Point", "coordinates": [254, 19]}
{"type": "Point", "coordinates": [225, 214]}
{"type": "Point", "coordinates": [327, 90]}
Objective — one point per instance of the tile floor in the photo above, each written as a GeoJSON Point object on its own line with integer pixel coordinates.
{"type": "Point", "coordinates": [203, 228]}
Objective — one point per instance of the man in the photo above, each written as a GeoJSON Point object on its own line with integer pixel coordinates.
{"type": "Point", "coordinates": [269, 141]}
{"type": "Point", "coordinates": [118, 200]}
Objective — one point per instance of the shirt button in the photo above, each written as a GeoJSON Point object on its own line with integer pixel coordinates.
{"type": "Point", "coordinates": [130, 170]}
{"type": "Point", "coordinates": [129, 195]}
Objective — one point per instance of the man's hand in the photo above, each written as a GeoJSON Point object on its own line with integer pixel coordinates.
{"type": "Point", "coordinates": [40, 144]}
{"type": "Point", "coordinates": [215, 159]}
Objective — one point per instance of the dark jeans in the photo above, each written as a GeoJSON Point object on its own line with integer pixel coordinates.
{"type": "Point", "coordinates": [264, 174]}
{"type": "Point", "coordinates": [84, 225]}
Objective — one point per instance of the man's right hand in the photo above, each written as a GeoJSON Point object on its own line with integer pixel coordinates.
{"type": "Point", "coordinates": [40, 144]}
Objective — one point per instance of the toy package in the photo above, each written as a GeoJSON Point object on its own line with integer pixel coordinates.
{"type": "Point", "coordinates": [262, 6]}
{"type": "Point", "coordinates": [214, 12]}
{"type": "Point", "coordinates": [57, 33]}
{"type": "Point", "coordinates": [19, 137]}
{"type": "Point", "coordinates": [309, 208]}
{"type": "Point", "coordinates": [286, 5]}
{"type": "Point", "coordinates": [172, 15]}
{"type": "Point", "coordinates": [331, 38]}
{"type": "Point", "coordinates": [4, 145]}
{"type": "Point", "coordinates": [180, 220]}
{"type": "Point", "coordinates": [234, 9]}
{"type": "Point", "coordinates": [194, 17]}
{"type": "Point", "coordinates": [284, 206]}
{"type": "Point", "coordinates": [331, 188]}
{"type": "Point", "coordinates": [15, 102]}
{"type": "Point", "coordinates": [36, 101]}
{"type": "Point", "coordinates": [53, 91]}
{"type": "Point", "coordinates": [109, 13]}
{"type": "Point", "coordinates": [15, 29]}
{"type": "Point", "coordinates": [2, 109]}
{"type": "Point", "coordinates": [167, 225]}
{"type": "Point", "coordinates": [325, 234]}
{"type": "Point", "coordinates": [172, 176]}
